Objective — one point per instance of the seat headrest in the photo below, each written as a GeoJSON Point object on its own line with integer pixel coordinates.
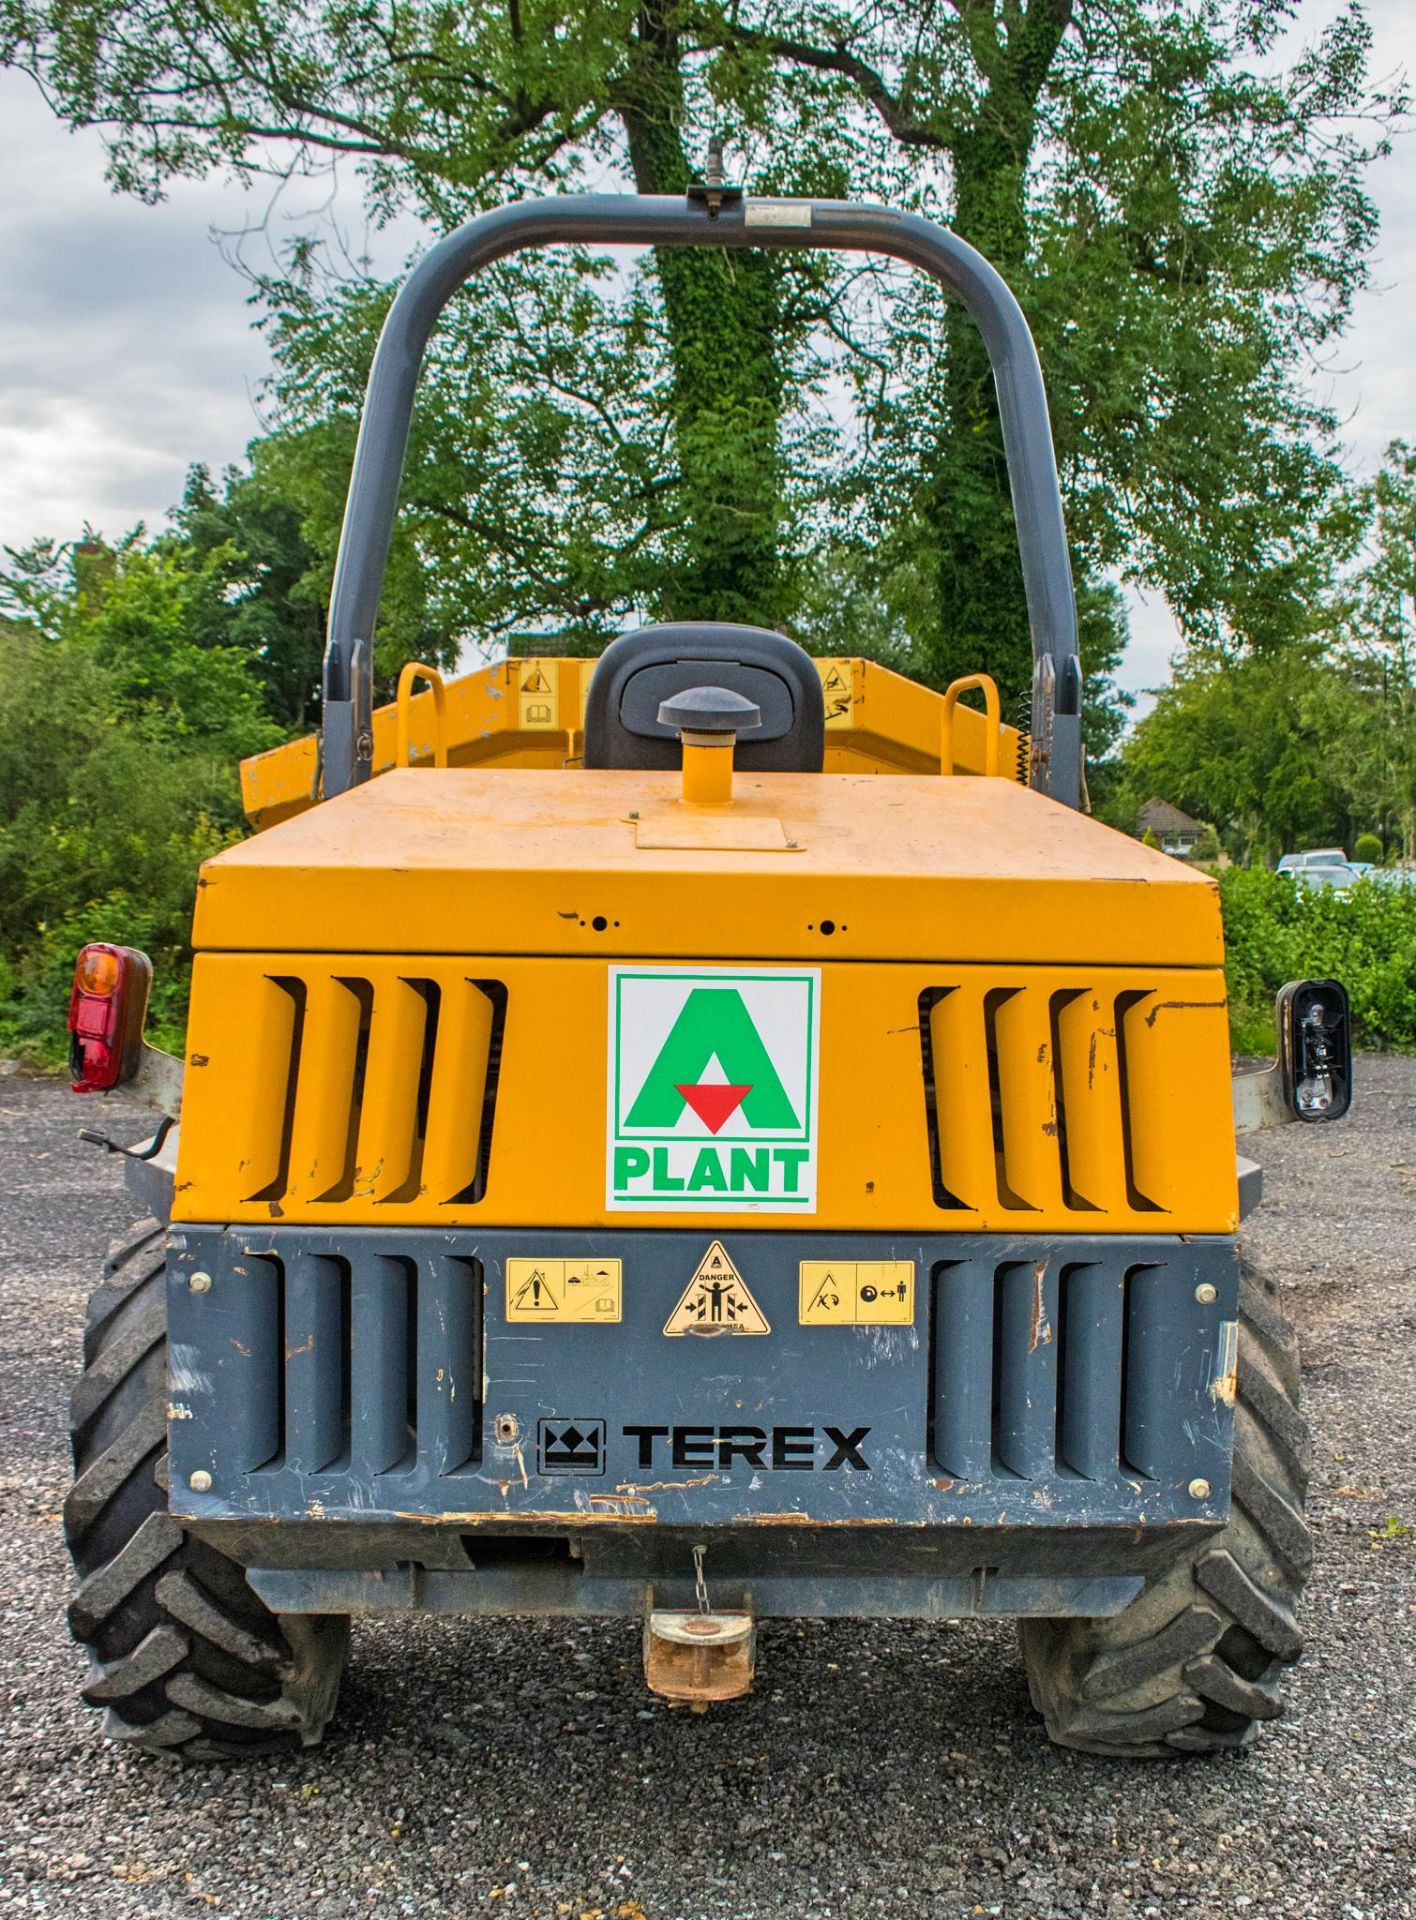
{"type": "Point", "coordinates": [637, 673]}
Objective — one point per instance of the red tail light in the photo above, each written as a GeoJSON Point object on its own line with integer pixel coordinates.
{"type": "Point", "coordinates": [107, 1009]}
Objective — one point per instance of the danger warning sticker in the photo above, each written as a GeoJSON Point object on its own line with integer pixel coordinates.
{"type": "Point", "coordinates": [537, 695]}
{"type": "Point", "coordinates": [712, 1089]}
{"type": "Point", "coordinates": [838, 691]}
{"type": "Point", "coordinates": [716, 1300]}
{"type": "Point", "coordinates": [564, 1290]}
{"type": "Point", "coordinates": [856, 1293]}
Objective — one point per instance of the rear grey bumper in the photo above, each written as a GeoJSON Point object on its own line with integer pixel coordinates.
{"type": "Point", "coordinates": [361, 1411]}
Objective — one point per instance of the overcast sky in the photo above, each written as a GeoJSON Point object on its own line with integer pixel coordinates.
{"type": "Point", "coordinates": [127, 351]}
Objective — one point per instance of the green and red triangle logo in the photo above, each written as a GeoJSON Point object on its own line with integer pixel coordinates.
{"type": "Point", "coordinates": [712, 1089]}
{"type": "Point", "coordinates": [713, 1027]}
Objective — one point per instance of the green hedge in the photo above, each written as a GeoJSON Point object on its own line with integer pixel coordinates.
{"type": "Point", "coordinates": [1276, 930]}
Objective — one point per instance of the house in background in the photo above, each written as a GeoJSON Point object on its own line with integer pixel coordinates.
{"type": "Point", "coordinates": [1176, 831]}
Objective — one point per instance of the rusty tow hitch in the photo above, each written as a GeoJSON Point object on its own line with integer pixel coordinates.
{"type": "Point", "coordinates": [697, 1658]}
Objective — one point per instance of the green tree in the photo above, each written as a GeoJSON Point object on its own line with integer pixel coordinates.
{"type": "Point", "coordinates": [1182, 212]}
{"type": "Point", "coordinates": [1255, 743]}
{"type": "Point", "coordinates": [269, 605]}
{"type": "Point", "coordinates": [1374, 635]}
{"type": "Point", "coordinates": [1206, 849]}
{"type": "Point", "coordinates": [120, 729]}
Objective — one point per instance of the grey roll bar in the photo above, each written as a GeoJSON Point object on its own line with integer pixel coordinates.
{"type": "Point", "coordinates": [666, 221]}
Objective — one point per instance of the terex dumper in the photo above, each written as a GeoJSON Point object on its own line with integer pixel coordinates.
{"type": "Point", "coordinates": [696, 1135]}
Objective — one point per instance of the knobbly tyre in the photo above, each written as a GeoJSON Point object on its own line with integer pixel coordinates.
{"type": "Point", "coordinates": [655, 1140]}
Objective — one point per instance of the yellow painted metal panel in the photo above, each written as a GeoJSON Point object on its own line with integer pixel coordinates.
{"type": "Point", "coordinates": [455, 1097]}
{"type": "Point", "coordinates": [242, 1132]}
{"type": "Point", "coordinates": [1091, 1099]}
{"type": "Point", "coordinates": [442, 861]}
{"type": "Point", "coordinates": [1032, 1164]}
{"type": "Point", "coordinates": [968, 1162]}
{"type": "Point", "coordinates": [547, 1165]}
{"type": "Point", "coordinates": [319, 1133]}
{"type": "Point", "coordinates": [388, 1130]}
{"type": "Point", "coordinates": [1176, 1061]}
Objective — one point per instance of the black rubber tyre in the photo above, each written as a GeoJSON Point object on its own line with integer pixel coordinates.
{"type": "Point", "coordinates": [186, 1659]}
{"type": "Point", "coordinates": [1195, 1662]}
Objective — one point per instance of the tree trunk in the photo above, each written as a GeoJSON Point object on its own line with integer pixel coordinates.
{"type": "Point", "coordinates": [982, 621]}
{"type": "Point", "coordinates": [723, 313]}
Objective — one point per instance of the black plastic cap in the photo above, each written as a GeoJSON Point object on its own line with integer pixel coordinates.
{"type": "Point", "coordinates": [710, 710]}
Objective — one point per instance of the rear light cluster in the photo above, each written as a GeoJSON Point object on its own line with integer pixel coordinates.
{"type": "Point", "coordinates": [1315, 1049]}
{"type": "Point", "coordinates": [107, 1009]}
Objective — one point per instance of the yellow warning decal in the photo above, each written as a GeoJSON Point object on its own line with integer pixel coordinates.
{"type": "Point", "coordinates": [560, 1291]}
{"type": "Point", "coordinates": [857, 1293]}
{"type": "Point", "coordinates": [716, 1300]}
{"type": "Point", "coordinates": [537, 695]}
{"type": "Point", "coordinates": [838, 691]}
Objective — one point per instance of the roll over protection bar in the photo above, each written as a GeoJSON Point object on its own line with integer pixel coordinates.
{"type": "Point", "coordinates": [667, 221]}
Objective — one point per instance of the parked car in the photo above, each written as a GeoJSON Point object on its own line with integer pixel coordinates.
{"type": "Point", "coordinates": [1332, 878]}
{"type": "Point", "coordinates": [1314, 857]}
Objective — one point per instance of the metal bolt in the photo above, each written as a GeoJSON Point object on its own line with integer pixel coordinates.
{"type": "Point", "coordinates": [200, 1283]}
{"type": "Point", "coordinates": [1206, 1294]}
{"type": "Point", "coordinates": [200, 1481]}
{"type": "Point", "coordinates": [791, 846]}
{"type": "Point", "coordinates": [1199, 1489]}
{"type": "Point", "coordinates": [506, 1428]}
{"type": "Point", "coordinates": [635, 814]}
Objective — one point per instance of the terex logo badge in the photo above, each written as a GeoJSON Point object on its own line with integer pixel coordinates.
{"type": "Point", "coordinates": [712, 1089]}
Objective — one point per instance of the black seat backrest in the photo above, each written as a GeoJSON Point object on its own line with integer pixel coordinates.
{"type": "Point", "coordinates": [640, 670]}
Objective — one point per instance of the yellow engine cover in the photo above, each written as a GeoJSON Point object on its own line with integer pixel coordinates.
{"type": "Point", "coordinates": [401, 1006]}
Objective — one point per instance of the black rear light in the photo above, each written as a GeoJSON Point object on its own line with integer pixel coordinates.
{"type": "Point", "coordinates": [1315, 1049]}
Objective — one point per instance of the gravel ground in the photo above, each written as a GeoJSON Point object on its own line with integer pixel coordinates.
{"type": "Point", "coordinates": [519, 1769]}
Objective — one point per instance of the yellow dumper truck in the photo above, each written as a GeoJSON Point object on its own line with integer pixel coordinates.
{"type": "Point", "coordinates": [699, 1135]}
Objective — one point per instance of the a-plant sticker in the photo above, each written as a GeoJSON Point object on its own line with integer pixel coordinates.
{"type": "Point", "coordinates": [712, 1089]}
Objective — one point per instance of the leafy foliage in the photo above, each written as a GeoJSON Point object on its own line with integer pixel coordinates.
{"type": "Point", "coordinates": [122, 718]}
{"type": "Point", "coordinates": [1277, 931]}
{"type": "Point", "coordinates": [1179, 204]}
{"type": "Point", "coordinates": [1310, 743]}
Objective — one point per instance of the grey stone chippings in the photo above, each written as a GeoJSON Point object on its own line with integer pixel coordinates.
{"type": "Point", "coordinates": [518, 1768]}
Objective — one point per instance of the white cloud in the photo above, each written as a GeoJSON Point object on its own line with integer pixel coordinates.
{"type": "Point", "coordinates": [125, 344]}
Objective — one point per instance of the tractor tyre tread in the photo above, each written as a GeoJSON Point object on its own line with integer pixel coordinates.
{"type": "Point", "coordinates": [1194, 1664]}
{"type": "Point", "coordinates": [185, 1658]}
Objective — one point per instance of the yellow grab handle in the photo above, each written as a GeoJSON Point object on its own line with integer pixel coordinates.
{"type": "Point", "coordinates": [993, 714]}
{"type": "Point", "coordinates": [415, 670]}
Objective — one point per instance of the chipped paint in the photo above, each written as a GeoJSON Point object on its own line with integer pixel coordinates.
{"type": "Point", "coordinates": [661, 1486]}
{"type": "Point", "coordinates": [185, 1371]}
{"type": "Point", "coordinates": [1039, 1327]}
{"type": "Point", "coordinates": [1185, 1006]}
{"type": "Point", "coordinates": [1224, 1387]}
